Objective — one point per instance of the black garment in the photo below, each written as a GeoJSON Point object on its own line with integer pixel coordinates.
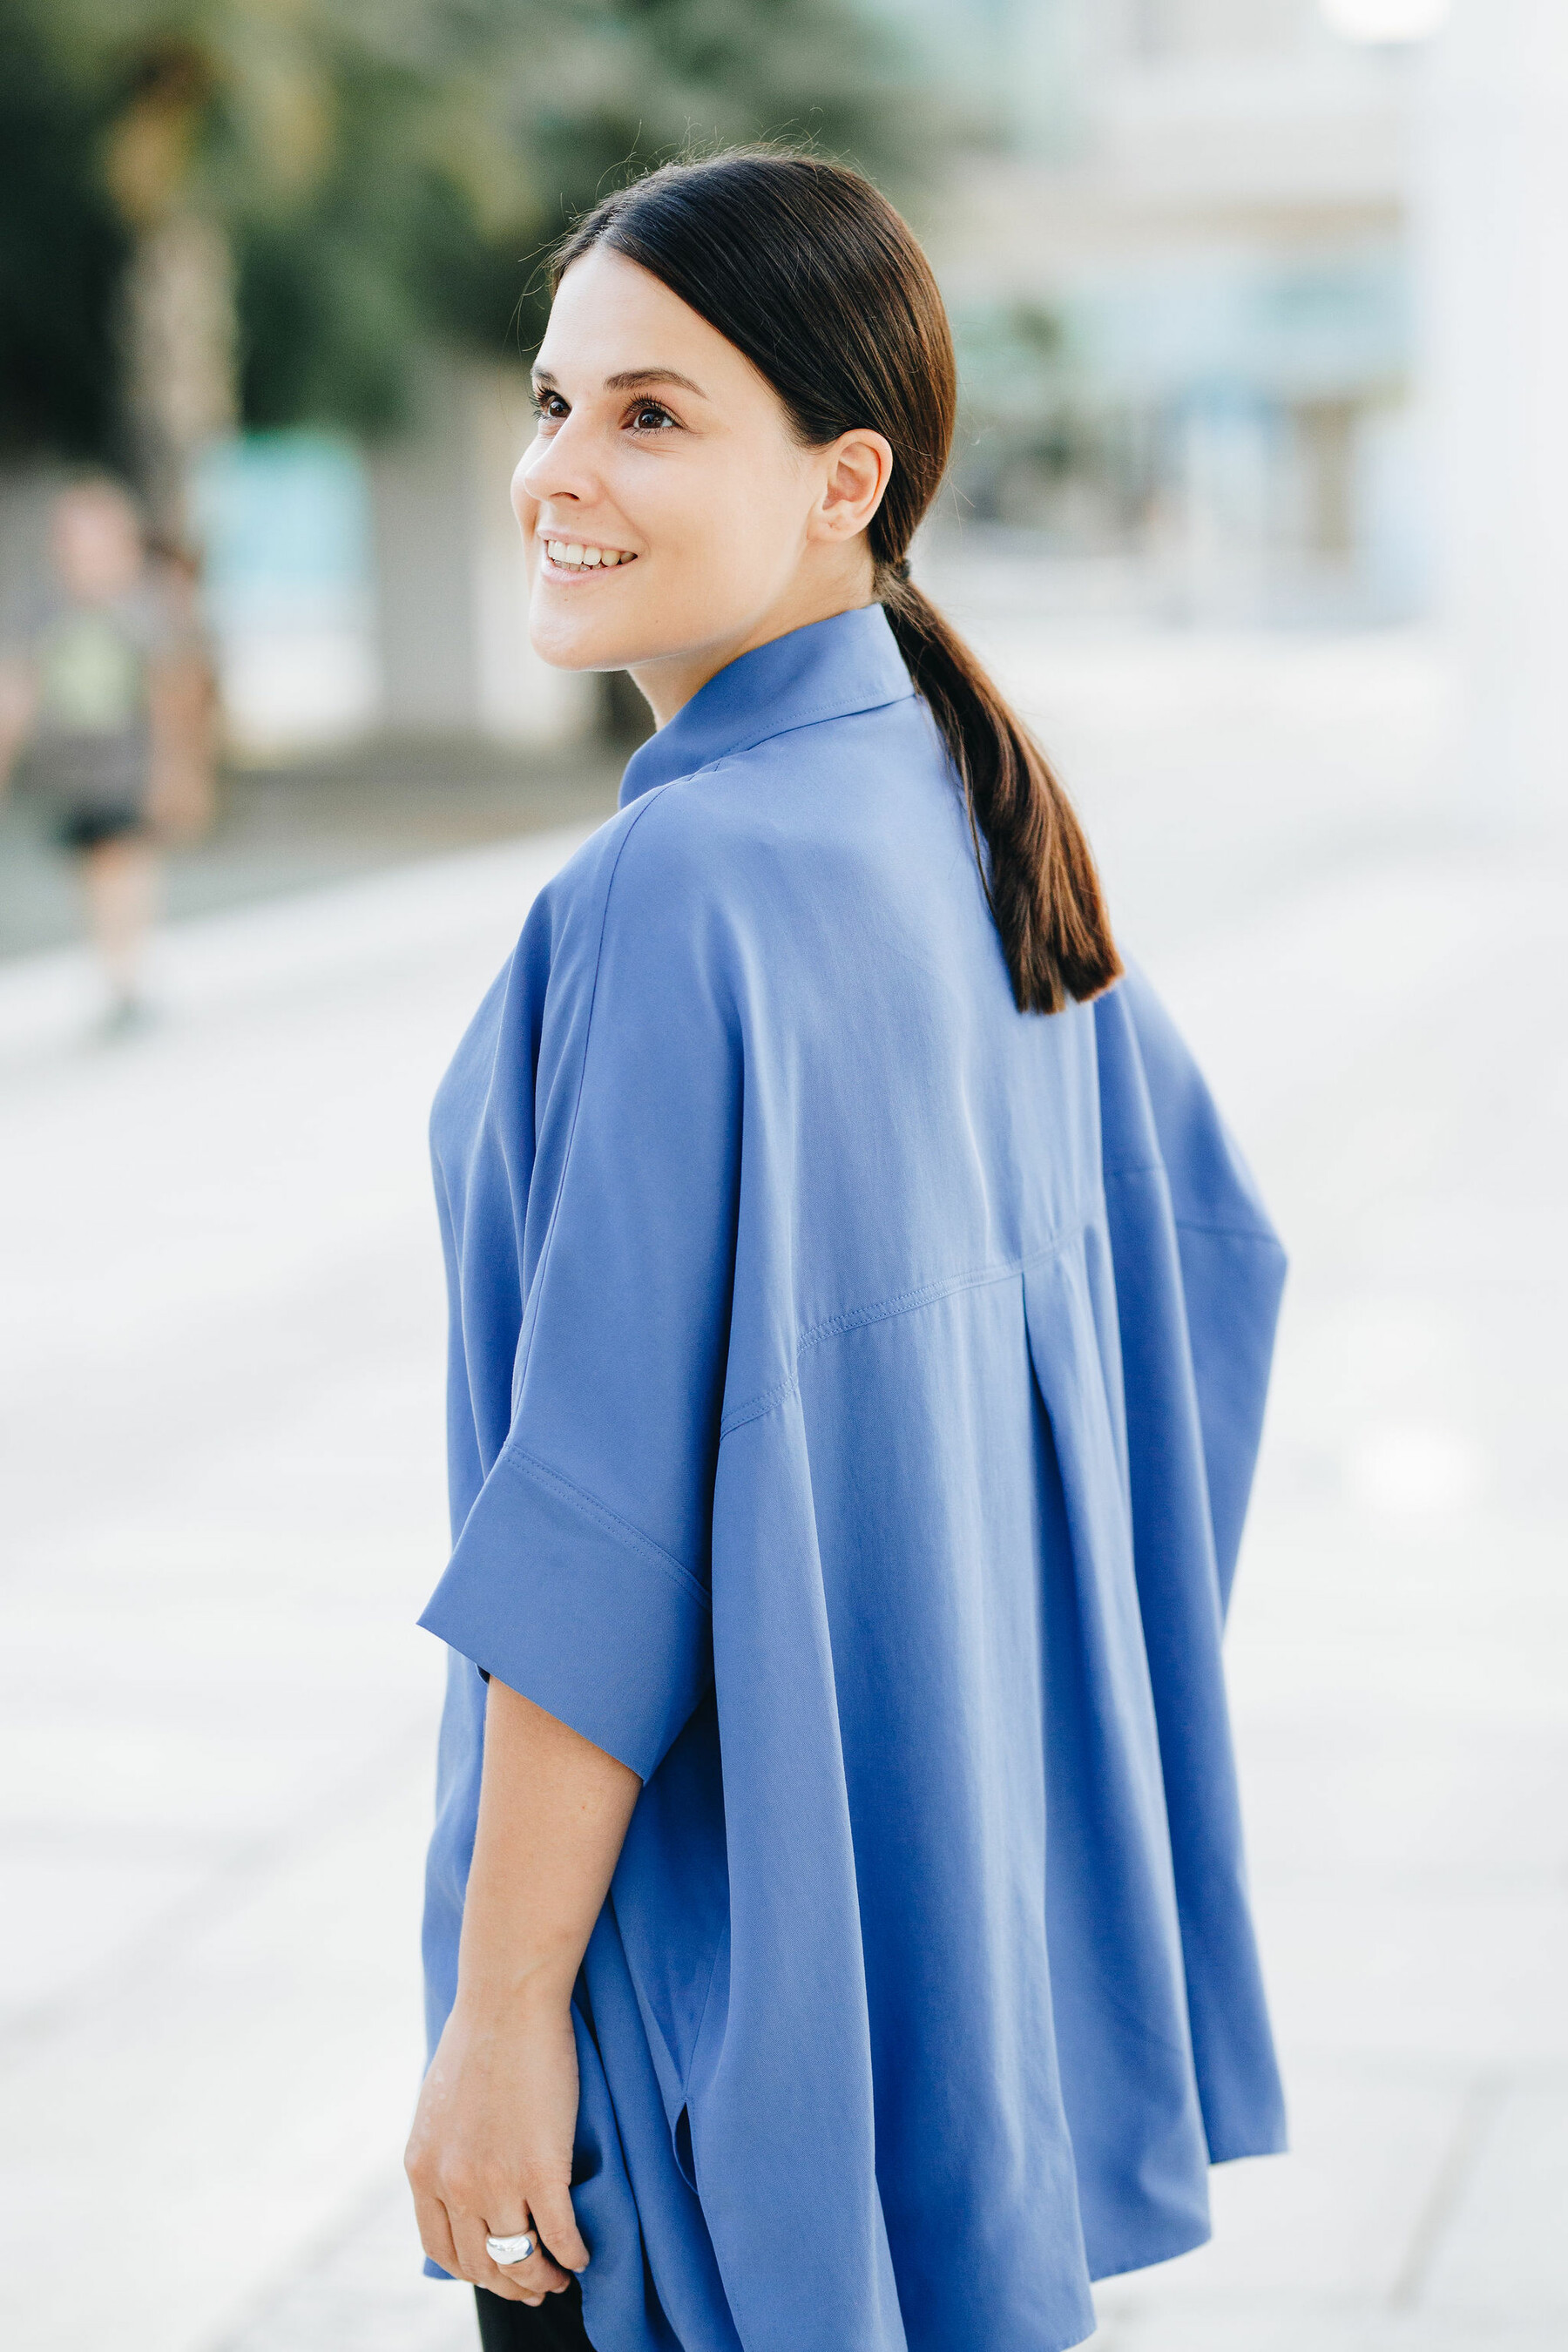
{"type": "Point", "coordinates": [553, 2325]}
{"type": "Point", "coordinates": [87, 827]}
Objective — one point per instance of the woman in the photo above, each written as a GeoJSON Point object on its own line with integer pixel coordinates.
{"type": "Point", "coordinates": [836, 1923]}
{"type": "Point", "coordinates": [104, 681]}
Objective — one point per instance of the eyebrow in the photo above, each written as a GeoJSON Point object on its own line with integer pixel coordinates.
{"type": "Point", "coordinates": [631, 380]}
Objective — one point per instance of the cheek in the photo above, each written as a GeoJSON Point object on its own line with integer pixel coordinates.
{"type": "Point", "coordinates": [721, 534]}
{"type": "Point", "coordinates": [724, 530]}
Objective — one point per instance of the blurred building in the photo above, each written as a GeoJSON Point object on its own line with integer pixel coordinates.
{"type": "Point", "coordinates": [1494, 229]}
{"type": "Point", "coordinates": [453, 603]}
{"type": "Point", "coordinates": [291, 588]}
{"type": "Point", "coordinates": [355, 589]}
{"type": "Point", "coordinates": [1183, 292]}
{"type": "Point", "coordinates": [1178, 255]}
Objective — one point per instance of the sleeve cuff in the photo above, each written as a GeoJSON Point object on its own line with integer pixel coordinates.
{"type": "Point", "coordinates": [562, 1601]}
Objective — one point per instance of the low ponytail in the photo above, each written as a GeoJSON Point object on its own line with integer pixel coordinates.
{"type": "Point", "coordinates": [810, 272]}
{"type": "Point", "coordinates": [1036, 866]}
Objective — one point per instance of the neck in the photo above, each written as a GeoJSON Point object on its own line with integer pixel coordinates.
{"type": "Point", "coordinates": [668, 683]}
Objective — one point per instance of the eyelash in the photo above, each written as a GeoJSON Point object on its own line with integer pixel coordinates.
{"type": "Point", "coordinates": [545, 403]}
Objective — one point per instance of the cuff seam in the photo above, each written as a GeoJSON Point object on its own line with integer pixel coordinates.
{"type": "Point", "coordinates": [528, 1465]}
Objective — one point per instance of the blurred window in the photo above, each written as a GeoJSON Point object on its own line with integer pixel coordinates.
{"type": "Point", "coordinates": [1219, 28]}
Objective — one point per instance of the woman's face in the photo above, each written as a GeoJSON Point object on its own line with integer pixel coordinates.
{"type": "Point", "coordinates": [671, 519]}
{"type": "Point", "coordinates": [96, 541]}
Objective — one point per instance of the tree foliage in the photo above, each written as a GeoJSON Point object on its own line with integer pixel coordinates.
{"type": "Point", "coordinates": [62, 253]}
{"type": "Point", "coordinates": [385, 170]}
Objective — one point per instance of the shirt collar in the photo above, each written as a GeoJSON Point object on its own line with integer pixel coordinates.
{"type": "Point", "coordinates": [826, 670]}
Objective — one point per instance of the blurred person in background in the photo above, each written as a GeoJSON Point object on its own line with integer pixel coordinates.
{"type": "Point", "coordinates": [836, 1923]}
{"type": "Point", "coordinates": [106, 684]}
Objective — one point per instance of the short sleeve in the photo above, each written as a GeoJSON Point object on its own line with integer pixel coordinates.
{"type": "Point", "coordinates": [581, 1574]}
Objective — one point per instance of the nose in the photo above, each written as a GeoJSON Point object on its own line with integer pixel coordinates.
{"type": "Point", "coordinates": [556, 465]}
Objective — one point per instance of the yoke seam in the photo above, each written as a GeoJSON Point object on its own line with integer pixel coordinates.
{"type": "Point", "coordinates": [887, 1310]}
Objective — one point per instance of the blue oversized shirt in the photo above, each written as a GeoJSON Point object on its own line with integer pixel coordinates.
{"type": "Point", "coordinates": [855, 1389]}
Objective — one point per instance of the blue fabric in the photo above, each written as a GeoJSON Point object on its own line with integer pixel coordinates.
{"type": "Point", "coordinates": [855, 1391]}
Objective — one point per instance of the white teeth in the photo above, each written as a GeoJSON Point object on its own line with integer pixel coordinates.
{"type": "Point", "coordinates": [562, 550]}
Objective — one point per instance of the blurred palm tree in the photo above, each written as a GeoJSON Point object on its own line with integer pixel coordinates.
{"type": "Point", "coordinates": [296, 194]}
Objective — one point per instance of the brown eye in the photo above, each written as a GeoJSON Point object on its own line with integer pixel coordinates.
{"type": "Point", "coordinates": [651, 418]}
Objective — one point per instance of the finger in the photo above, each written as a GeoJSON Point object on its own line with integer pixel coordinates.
{"type": "Point", "coordinates": [557, 2225]}
{"type": "Point", "coordinates": [518, 2280]}
{"type": "Point", "coordinates": [528, 2282]}
{"type": "Point", "coordinates": [536, 2278]}
{"type": "Point", "coordinates": [435, 2232]}
{"type": "Point", "coordinates": [469, 2233]}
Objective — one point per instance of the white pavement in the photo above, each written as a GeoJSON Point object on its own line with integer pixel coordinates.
{"type": "Point", "coordinates": [221, 1508]}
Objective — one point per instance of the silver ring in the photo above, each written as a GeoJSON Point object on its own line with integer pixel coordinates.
{"type": "Point", "coordinates": [507, 2251]}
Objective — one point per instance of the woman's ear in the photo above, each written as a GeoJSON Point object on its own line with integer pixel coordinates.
{"type": "Point", "coordinates": [856, 469]}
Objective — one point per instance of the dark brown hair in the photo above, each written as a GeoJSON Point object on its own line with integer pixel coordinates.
{"type": "Point", "coordinates": [806, 268]}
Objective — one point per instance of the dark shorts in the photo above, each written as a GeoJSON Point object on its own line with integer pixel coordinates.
{"type": "Point", "coordinates": [553, 2325]}
{"type": "Point", "coordinates": [90, 824]}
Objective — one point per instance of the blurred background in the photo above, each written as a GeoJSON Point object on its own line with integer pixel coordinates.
{"type": "Point", "coordinates": [1261, 510]}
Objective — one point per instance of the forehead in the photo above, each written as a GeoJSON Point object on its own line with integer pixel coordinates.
{"type": "Point", "coordinates": [610, 316]}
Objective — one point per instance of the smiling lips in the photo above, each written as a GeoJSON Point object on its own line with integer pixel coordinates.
{"type": "Point", "coordinates": [572, 556]}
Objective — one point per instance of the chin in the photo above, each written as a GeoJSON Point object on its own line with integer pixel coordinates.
{"type": "Point", "coordinates": [566, 641]}
{"type": "Point", "coordinates": [565, 649]}
{"type": "Point", "coordinates": [580, 640]}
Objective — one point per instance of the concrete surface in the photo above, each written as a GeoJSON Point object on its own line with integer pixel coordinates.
{"type": "Point", "coordinates": [222, 1508]}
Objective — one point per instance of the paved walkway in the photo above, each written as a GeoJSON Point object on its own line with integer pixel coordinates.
{"type": "Point", "coordinates": [221, 1508]}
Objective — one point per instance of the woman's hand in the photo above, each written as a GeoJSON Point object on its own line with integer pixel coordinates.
{"type": "Point", "coordinates": [490, 2151]}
